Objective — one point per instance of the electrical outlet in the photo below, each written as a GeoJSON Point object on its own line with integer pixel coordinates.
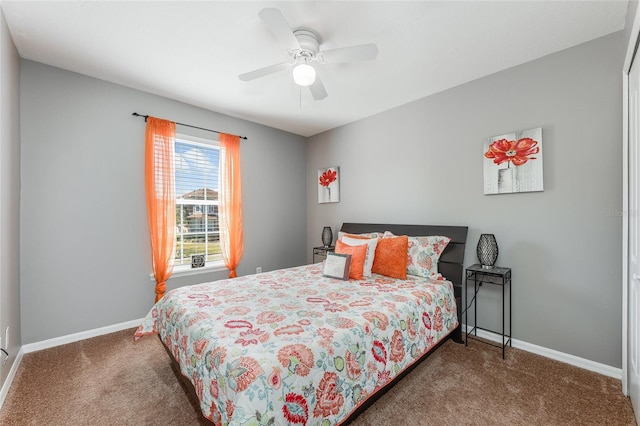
{"type": "Point", "coordinates": [259, 270]}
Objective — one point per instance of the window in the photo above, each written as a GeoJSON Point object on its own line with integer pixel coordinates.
{"type": "Point", "coordinates": [197, 225]}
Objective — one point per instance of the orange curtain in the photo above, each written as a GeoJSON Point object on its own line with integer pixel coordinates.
{"type": "Point", "coordinates": [231, 236]}
{"type": "Point", "coordinates": [161, 203]}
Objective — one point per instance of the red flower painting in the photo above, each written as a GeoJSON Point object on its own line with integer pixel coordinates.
{"type": "Point", "coordinates": [325, 180]}
{"type": "Point", "coordinates": [513, 162]}
{"type": "Point", "coordinates": [516, 152]}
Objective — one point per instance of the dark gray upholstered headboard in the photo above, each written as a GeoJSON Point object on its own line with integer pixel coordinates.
{"type": "Point", "coordinates": [451, 260]}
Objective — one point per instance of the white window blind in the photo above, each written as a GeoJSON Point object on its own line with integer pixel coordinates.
{"type": "Point", "coordinates": [197, 163]}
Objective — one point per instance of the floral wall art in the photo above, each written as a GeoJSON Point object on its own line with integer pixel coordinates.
{"type": "Point", "coordinates": [328, 185]}
{"type": "Point", "coordinates": [513, 162]}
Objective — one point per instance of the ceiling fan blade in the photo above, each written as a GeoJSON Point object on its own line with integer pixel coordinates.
{"type": "Point", "coordinates": [317, 89]}
{"type": "Point", "coordinates": [274, 19]}
{"type": "Point", "coordinates": [361, 52]}
{"type": "Point", "coordinates": [261, 72]}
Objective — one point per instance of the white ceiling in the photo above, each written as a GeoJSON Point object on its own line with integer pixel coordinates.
{"type": "Point", "coordinates": [194, 51]}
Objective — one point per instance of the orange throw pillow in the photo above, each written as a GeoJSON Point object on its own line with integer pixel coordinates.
{"type": "Point", "coordinates": [358, 254]}
{"type": "Point", "coordinates": [391, 257]}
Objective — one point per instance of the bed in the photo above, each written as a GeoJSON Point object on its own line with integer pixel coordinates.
{"type": "Point", "coordinates": [294, 347]}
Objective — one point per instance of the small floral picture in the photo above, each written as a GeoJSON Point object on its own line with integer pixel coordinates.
{"type": "Point", "coordinates": [328, 185]}
{"type": "Point", "coordinates": [513, 162]}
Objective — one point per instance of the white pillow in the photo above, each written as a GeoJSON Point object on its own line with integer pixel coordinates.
{"type": "Point", "coordinates": [371, 250]}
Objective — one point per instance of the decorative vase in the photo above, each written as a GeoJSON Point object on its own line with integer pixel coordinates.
{"type": "Point", "coordinates": [487, 250]}
{"type": "Point", "coordinates": [327, 236]}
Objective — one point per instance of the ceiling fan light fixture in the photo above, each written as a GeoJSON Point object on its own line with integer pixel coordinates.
{"type": "Point", "coordinates": [304, 74]}
{"type": "Point", "coordinates": [303, 47]}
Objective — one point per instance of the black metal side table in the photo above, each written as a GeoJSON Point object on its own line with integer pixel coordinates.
{"type": "Point", "coordinates": [494, 276]}
{"type": "Point", "coordinates": [322, 251]}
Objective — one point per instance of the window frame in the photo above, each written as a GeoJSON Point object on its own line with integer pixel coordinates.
{"type": "Point", "coordinates": [210, 266]}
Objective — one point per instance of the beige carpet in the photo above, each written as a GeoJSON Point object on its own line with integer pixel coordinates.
{"type": "Point", "coordinates": [110, 380]}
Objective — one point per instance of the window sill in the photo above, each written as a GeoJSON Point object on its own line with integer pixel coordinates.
{"type": "Point", "coordinates": [186, 270]}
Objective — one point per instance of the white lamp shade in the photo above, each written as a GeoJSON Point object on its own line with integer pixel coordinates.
{"type": "Point", "coordinates": [304, 75]}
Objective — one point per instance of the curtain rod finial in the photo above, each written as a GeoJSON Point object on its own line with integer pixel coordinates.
{"type": "Point", "coordinates": [135, 114]}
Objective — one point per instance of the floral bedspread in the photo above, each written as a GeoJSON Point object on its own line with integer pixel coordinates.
{"type": "Point", "coordinates": [293, 347]}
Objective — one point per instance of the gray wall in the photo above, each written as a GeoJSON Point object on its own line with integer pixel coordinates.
{"type": "Point", "coordinates": [85, 255]}
{"type": "Point", "coordinates": [9, 196]}
{"type": "Point", "coordinates": [632, 8]}
{"type": "Point", "coordinates": [421, 163]}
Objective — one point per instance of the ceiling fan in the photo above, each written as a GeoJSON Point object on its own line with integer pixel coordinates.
{"type": "Point", "coordinates": [303, 46]}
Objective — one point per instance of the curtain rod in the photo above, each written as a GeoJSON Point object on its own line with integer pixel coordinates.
{"type": "Point", "coordinates": [186, 125]}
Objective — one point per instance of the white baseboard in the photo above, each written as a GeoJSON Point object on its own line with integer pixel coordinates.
{"type": "Point", "coordinates": [12, 374]}
{"type": "Point", "coordinates": [70, 338]}
{"type": "Point", "coordinates": [596, 367]}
